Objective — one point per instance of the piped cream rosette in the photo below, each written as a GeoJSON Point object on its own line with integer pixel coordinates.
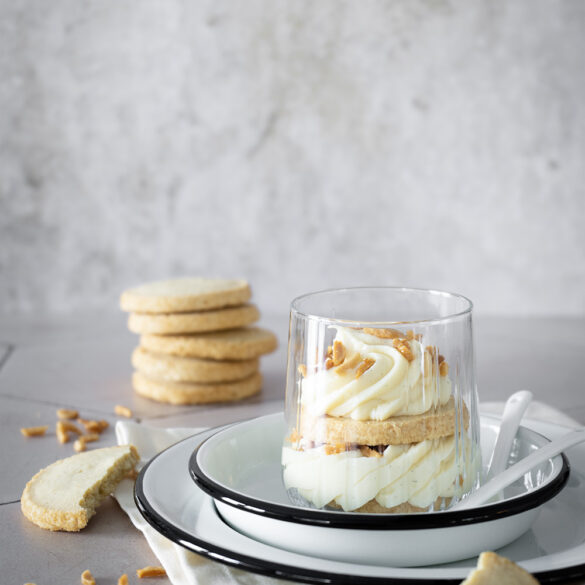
{"type": "Point", "coordinates": [376, 427]}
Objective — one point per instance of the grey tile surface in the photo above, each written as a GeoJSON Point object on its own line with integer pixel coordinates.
{"type": "Point", "coordinates": [25, 456]}
{"type": "Point", "coordinates": [109, 546]}
{"type": "Point", "coordinates": [87, 366]}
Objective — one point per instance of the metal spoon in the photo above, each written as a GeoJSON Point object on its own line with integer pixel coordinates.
{"type": "Point", "coordinates": [516, 471]}
{"type": "Point", "coordinates": [514, 410]}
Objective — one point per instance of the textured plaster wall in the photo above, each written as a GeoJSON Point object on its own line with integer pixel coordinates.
{"type": "Point", "coordinates": [300, 144]}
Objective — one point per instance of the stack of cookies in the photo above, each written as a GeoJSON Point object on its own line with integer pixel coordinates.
{"type": "Point", "coordinates": [196, 344]}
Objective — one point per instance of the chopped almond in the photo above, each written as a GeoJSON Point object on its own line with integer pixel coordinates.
{"type": "Point", "coordinates": [87, 578]}
{"type": "Point", "coordinates": [67, 414]}
{"type": "Point", "coordinates": [348, 364]}
{"type": "Point", "coordinates": [410, 335]}
{"type": "Point", "coordinates": [94, 426]}
{"type": "Point", "coordinates": [151, 572]}
{"type": "Point", "coordinates": [79, 445]}
{"type": "Point", "coordinates": [404, 348]}
{"type": "Point", "coordinates": [123, 580]}
{"type": "Point", "coordinates": [364, 366]}
{"type": "Point", "coordinates": [62, 434]}
{"type": "Point", "coordinates": [302, 370]}
{"type": "Point", "coordinates": [34, 431]}
{"type": "Point", "coordinates": [338, 353]}
{"type": "Point", "coordinates": [68, 427]}
{"type": "Point", "coordinates": [123, 411]}
{"type": "Point", "coordinates": [329, 363]}
{"type": "Point", "coordinates": [387, 333]}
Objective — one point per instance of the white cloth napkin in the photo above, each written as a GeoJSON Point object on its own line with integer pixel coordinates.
{"type": "Point", "coordinates": [186, 568]}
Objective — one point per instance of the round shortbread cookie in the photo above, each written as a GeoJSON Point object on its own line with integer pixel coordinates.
{"type": "Point", "coordinates": [201, 321]}
{"type": "Point", "coordinates": [233, 344]}
{"type": "Point", "coordinates": [187, 369]}
{"type": "Point", "coordinates": [182, 295]}
{"type": "Point", "coordinates": [192, 393]}
{"type": "Point", "coordinates": [398, 430]}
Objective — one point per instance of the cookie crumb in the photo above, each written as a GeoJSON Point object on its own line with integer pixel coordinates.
{"type": "Point", "coordinates": [369, 452]}
{"type": "Point", "coordinates": [123, 579]}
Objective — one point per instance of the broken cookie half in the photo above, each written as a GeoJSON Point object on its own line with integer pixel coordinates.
{"type": "Point", "coordinates": [65, 495]}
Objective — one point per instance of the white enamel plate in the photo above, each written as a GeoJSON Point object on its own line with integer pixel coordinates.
{"type": "Point", "coordinates": [553, 549]}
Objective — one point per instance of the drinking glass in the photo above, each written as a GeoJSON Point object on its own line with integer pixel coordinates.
{"type": "Point", "coordinates": [381, 401]}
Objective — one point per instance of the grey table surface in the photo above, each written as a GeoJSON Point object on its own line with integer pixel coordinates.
{"type": "Point", "coordinates": [83, 362]}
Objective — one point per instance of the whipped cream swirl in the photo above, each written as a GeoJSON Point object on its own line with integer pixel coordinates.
{"type": "Point", "coordinates": [392, 385]}
{"type": "Point", "coordinates": [418, 474]}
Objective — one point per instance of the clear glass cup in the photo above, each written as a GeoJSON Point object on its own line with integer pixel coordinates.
{"type": "Point", "coordinates": [381, 401]}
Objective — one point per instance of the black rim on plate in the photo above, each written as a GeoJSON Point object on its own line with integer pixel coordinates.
{"type": "Point", "coordinates": [257, 565]}
{"type": "Point", "coordinates": [359, 521]}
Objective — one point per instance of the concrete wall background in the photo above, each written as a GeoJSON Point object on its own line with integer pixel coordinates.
{"type": "Point", "coordinates": [302, 145]}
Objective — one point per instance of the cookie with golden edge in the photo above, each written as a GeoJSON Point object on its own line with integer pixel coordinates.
{"type": "Point", "coordinates": [233, 344]}
{"type": "Point", "coordinates": [397, 430]}
{"type": "Point", "coordinates": [493, 569]}
{"type": "Point", "coordinates": [187, 369]}
{"type": "Point", "coordinates": [193, 393]}
{"type": "Point", "coordinates": [182, 295]}
{"type": "Point", "coordinates": [65, 495]}
{"type": "Point", "coordinates": [195, 322]}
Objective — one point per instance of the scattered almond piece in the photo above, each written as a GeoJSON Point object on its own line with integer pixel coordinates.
{"type": "Point", "coordinates": [34, 431]}
{"type": "Point", "coordinates": [79, 445]}
{"type": "Point", "coordinates": [94, 426]}
{"type": "Point", "coordinates": [67, 414]}
{"type": "Point", "coordinates": [90, 437]}
{"type": "Point", "coordinates": [87, 578]}
{"type": "Point", "coordinates": [69, 427]}
{"type": "Point", "coordinates": [62, 434]}
{"type": "Point", "coordinates": [123, 580]}
{"type": "Point", "coordinates": [302, 370]}
{"type": "Point", "coordinates": [151, 572]}
{"type": "Point", "coordinates": [122, 411]}
{"type": "Point", "coordinates": [329, 363]}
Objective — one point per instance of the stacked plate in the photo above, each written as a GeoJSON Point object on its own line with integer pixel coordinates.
{"type": "Point", "coordinates": [237, 511]}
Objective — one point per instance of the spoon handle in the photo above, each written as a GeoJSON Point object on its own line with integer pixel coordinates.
{"type": "Point", "coordinates": [492, 487]}
{"type": "Point", "coordinates": [514, 410]}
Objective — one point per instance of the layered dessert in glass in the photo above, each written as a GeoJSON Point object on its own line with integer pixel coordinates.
{"type": "Point", "coordinates": [379, 419]}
